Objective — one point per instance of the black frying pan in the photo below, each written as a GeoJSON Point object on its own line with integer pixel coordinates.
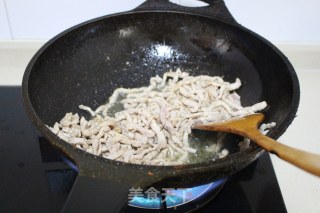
{"type": "Point", "coordinates": [84, 64]}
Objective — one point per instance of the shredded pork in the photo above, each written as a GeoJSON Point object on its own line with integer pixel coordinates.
{"type": "Point", "coordinates": [154, 124]}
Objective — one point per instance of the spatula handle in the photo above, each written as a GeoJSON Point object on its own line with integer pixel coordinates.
{"type": "Point", "coordinates": [307, 161]}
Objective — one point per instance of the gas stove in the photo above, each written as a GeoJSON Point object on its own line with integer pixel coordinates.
{"type": "Point", "coordinates": [35, 177]}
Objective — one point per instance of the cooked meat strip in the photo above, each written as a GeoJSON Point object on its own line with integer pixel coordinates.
{"type": "Point", "coordinates": [154, 124]}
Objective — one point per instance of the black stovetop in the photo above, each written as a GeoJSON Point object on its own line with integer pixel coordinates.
{"type": "Point", "coordinates": [35, 178]}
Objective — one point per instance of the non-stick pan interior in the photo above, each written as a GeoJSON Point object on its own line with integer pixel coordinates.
{"type": "Point", "coordinates": [85, 64]}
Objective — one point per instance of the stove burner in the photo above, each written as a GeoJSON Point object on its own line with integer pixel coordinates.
{"type": "Point", "coordinates": [178, 199]}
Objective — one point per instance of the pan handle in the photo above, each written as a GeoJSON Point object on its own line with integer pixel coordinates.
{"type": "Point", "coordinates": [215, 9]}
{"type": "Point", "coordinates": [96, 195]}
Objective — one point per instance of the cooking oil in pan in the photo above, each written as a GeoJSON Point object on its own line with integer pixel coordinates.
{"type": "Point", "coordinates": [209, 146]}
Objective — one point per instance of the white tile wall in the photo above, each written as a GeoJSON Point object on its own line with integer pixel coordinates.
{"type": "Point", "coordinates": [285, 20]}
{"type": "Point", "coordinates": [38, 19]}
{"type": "Point", "coordinates": [4, 23]}
{"type": "Point", "coordinates": [278, 21]}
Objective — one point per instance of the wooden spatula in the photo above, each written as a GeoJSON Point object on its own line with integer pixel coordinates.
{"type": "Point", "coordinates": [248, 127]}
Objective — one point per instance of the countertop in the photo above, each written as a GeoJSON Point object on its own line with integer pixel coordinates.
{"type": "Point", "coordinates": [300, 190]}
